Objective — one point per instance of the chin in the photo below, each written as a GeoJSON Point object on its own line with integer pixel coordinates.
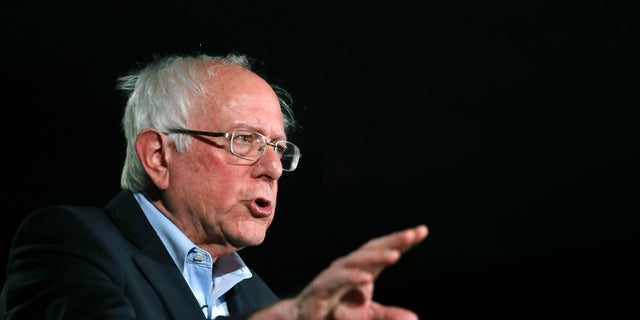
{"type": "Point", "coordinates": [250, 238]}
{"type": "Point", "coordinates": [248, 233]}
{"type": "Point", "coordinates": [247, 242]}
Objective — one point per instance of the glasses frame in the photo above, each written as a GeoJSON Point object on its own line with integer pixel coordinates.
{"type": "Point", "coordinates": [229, 135]}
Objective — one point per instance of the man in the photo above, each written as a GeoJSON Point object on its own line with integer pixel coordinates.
{"type": "Point", "coordinates": [206, 145]}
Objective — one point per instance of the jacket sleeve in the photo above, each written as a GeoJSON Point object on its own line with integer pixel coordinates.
{"type": "Point", "coordinates": [58, 268]}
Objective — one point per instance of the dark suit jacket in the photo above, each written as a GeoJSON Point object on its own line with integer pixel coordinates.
{"type": "Point", "coordinates": [71, 262]}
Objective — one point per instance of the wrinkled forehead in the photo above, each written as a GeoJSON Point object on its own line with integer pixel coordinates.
{"type": "Point", "coordinates": [235, 96]}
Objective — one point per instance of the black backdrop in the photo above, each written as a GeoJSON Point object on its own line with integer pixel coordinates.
{"type": "Point", "coordinates": [511, 129]}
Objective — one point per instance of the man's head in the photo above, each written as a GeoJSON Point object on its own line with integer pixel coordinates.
{"type": "Point", "coordinates": [209, 185]}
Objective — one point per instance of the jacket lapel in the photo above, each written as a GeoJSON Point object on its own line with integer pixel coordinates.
{"type": "Point", "coordinates": [153, 259]}
{"type": "Point", "coordinates": [168, 283]}
{"type": "Point", "coordinates": [250, 294]}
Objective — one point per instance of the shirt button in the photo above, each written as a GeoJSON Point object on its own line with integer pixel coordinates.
{"type": "Point", "coordinates": [198, 256]}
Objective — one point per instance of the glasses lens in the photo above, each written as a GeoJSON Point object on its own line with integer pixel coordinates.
{"type": "Point", "coordinates": [247, 145]}
{"type": "Point", "coordinates": [251, 145]}
{"type": "Point", "coordinates": [289, 155]}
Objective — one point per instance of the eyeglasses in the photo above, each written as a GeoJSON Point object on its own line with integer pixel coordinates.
{"type": "Point", "coordinates": [250, 145]}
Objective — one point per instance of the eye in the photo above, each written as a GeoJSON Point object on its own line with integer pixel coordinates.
{"type": "Point", "coordinates": [281, 148]}
{"type": "Point", "coordinates": [249, 138]}
{"type": "Point", "coordinates": [243, 138]}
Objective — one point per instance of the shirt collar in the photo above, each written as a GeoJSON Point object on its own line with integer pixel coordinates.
{"type": "Point", "coordinates": [179, 245]}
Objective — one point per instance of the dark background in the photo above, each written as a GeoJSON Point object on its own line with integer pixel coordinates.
{"type": "Point", "coordinates": [510, 129]}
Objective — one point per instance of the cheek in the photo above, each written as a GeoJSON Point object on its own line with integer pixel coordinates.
{"type": "Point", "coordinates": [201, 172]}
{"type": "Point", "coordinates": [203, 160]}
{"type": "Point", "coordinates": [208, 185]}
{"type": "Point", "coordinates": [214, 176]}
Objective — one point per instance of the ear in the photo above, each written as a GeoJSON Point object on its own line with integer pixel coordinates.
{"type": "Point", "coordinates": [152, 148]}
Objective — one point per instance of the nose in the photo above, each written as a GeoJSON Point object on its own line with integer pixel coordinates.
{"type": "Point", "coordinates": [270, 163]}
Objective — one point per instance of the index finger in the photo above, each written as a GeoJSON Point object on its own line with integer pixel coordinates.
{"type": "Point", "coordinates": [401, 240]}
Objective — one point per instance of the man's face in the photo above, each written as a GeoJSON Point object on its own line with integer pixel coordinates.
{"type": "Point", "coordinates": [214, 197]}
